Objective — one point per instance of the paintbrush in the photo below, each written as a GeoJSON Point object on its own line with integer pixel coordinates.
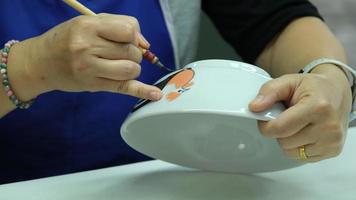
{"type": "Point", "coordinates": [147, 54]}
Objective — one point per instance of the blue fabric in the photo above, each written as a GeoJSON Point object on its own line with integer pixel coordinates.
{"type": "Point", "coordinates": [69, 132]}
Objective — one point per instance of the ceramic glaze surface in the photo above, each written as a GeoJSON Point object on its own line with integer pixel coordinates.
{"type": "Point", "coordinates": [203, 120]}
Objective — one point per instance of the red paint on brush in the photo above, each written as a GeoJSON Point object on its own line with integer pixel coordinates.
{"type": "Point", "coordinates": [149, 56]}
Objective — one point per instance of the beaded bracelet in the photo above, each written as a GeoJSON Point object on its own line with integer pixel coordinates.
{"type": "Point", "coordinates": [5, 79]}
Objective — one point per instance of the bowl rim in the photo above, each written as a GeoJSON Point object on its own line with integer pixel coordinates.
{"type": "Point", "coordinates": [250, 115]}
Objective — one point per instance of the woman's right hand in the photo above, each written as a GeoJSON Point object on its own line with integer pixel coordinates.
{"type": "Point", "coordinates": [89, 53]}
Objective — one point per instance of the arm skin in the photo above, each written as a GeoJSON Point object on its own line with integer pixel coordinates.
{"type": "Point", "coordinates": [304, 40]}
{"type": "Point", "coordinates": [318, 103]}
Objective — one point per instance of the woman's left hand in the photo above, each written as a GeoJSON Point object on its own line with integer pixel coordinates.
{"type": "Point", "coordinates": [318, 107]}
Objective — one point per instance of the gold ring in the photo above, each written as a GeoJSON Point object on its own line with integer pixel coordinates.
{"type": "Point", "coordinates": [302, 153]}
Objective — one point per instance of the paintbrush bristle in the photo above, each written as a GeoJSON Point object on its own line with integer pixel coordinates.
{"type": "Point", "coordinates": [160, 65]}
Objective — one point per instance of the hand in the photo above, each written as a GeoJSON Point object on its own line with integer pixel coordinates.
{"type": "Point", "coordinates": [318, 105]}
{"type": "Point", "coordinates": [91, 53]}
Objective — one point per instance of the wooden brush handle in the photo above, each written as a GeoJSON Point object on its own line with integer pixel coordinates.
{"type": "Point", "coordinates": [79, 7]}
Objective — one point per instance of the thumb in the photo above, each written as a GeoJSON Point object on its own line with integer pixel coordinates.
{"type": "Point", "coordinates": [273, 91]}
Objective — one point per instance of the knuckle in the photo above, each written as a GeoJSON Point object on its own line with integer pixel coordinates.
{"type": "Point", "coordinates": [101, 15]}
{"type": "Point", "coordinates": [287, 76]}
{"type": "Point", "coordinates": [132, 53]}
{"type": "Point", "coordinates": [136, 69]}
{"type": "Point", "coordinates": [128, 32]}
{"type": "Point", "coordinates": [130, 70]}
{"type": "Point", "coordinates": [139, 92]}
{"type": "Point", "coordinates": [133, 21]}
{"type": "Point", "coordinates": [268, 130]}
{"type": "Point", "coordinates": [77, 43]}
{"type": "Point", "coordinates": [84, 22]}
{"type": "Point", "coordinates": [125, 51]}
{"type": "Point", "coordinates": [334, 127]}
{"type": "Point", "coordinates": [262, 128]}
{"type": "Point", "coordinates": [269, 86]}
{"type": "Point", "coordinates": [323, 107]}
{"type": "Point", "coordinates": [275, 129]}
{"type": "Point", "coordinates": [338, 137]}
{"type": "Point", "coordinates": [334, 136]}
{"type": "Point", "coordinates": [138, 56]}
{"type": "Point", "coordinates": [122, 87]}
{"type": "Point", "coordinates": [336, 140]}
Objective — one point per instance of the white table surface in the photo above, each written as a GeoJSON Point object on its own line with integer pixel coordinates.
{"type": "Point", "coordinates": [331, 179]}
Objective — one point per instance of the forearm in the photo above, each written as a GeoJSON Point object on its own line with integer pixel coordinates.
{"type": "Point", "coordinates": [301, 42]}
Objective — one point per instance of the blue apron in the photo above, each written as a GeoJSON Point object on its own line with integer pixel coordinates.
{"type": "Point", "coordinates": [70, 132]}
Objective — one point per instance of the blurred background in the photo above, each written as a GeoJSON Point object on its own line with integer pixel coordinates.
{"type": "Point", "coordinates": [340, 15]}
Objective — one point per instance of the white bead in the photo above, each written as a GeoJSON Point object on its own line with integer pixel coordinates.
{"type": "Point", "coordinates": [3, 71]}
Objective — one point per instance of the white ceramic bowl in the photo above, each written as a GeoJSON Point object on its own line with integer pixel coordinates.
{"type": "Point", "coordinates": [203, 120]}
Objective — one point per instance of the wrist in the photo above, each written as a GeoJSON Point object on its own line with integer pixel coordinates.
{"type": "Point", "coordinates": [332, 72]}
{"type": "Point", "coordinates": [339, 78]}
{"type": "Point", "coordinates": [21, 72]}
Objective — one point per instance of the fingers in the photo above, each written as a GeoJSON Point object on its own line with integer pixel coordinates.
{"type": "Point", "coordinates": [121, 28]}
{"type": "Point", "coordinates": [304, 108]}
{"type": "Point", "coordinates": [275, 90]}
{"type": "Point", "coordinates": [143, 42]}
{"type": "Point", "coordinates": [319, 141]}
{"type": "Point", "coordinates": [305, 112]}
{"type": "Point", "coordinates": [129, 87]}
{"type": "Point", "coordinates": [303, 137]}
{"type": "Point", "coordinates": [291, 121]}
{"type": "Point", "coordinates": [115, 51]}
{"type": "Point", "coordinates": [311, 120]}
{"type": "Point", "coordinates": [116, 69]}
{"type": "Point", "coordinates": [312, 152]}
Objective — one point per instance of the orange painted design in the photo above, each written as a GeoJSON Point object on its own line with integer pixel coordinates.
{"type": "Point", "coordinates": [188, 85]}
{"type": "Point", "coordinates": [182, 83]}
{"type": "Point", "coordinates": [172, 96]}
{"type": "Point", "coordinates": [182, 78]}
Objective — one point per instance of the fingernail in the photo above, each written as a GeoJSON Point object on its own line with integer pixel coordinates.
{"type": "Point", "coordinates": [143, 39]}
{"type": "Point", "coordinates": [258, 99]}
{"type": "Point", "coordinates": [154, 95]}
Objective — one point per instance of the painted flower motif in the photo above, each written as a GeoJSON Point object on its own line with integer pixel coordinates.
{"type": "Point", "coordinates": [182, 82]}
{"type": "Point", "coordinates": [176, 84]}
